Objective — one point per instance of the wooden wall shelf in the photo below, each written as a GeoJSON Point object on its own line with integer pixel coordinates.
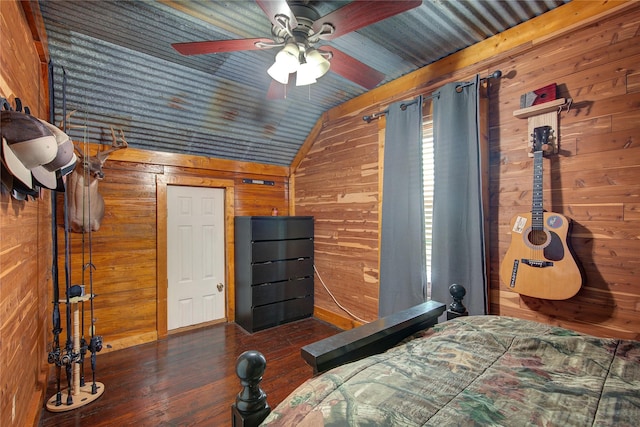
{"type": "Point", "coordinates": [535, 110]}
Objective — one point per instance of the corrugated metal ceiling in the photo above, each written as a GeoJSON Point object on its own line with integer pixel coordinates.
{"type": "Point", "coordinates": [121, 70]}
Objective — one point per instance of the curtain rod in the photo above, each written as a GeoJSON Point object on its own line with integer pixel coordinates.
{"type": "Point", "coordinates": [495, 75]}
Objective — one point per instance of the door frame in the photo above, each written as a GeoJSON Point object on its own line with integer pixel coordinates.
{"type": "Point", "coordinates": [162, 281]}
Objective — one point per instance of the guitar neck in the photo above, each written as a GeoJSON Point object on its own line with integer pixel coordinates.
{"type": "Point", "coordinates": [537, 211]}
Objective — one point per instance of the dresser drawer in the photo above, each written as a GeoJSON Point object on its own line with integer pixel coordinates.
{"type": "Point", "coordinates": [281, 250]}
{"type": "Point", "coordinates": [269, 315]}
{"type": "Point", "coordinates": [281, 270]}
{"type": "Point", "coordinates": [279, 291]}
{"type": "Point", "coordinates": [274, 228]}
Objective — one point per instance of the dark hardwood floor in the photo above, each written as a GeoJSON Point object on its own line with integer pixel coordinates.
{"type": "Point", "coordinates": [189, 379]}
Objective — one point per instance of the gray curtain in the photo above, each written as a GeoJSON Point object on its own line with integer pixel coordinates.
{"type": "Point", "coordinates": [458, 232]}
{"type": "Point", "coordinates": [402, 253]}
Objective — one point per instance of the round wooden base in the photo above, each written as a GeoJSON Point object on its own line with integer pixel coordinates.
{"type": "Point", "coordinates": [83, 397]}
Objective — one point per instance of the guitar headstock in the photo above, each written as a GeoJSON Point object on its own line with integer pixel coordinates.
{"type": "Point", "coordinates": [541, 140]}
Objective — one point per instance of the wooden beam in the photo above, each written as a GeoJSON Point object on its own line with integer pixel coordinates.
{"type": "Point", "coordinates": [36, 25]}
{"type": "Point", "coordinates": [192, 161]}
{"type": "Point", "coordinates": [308, 143]}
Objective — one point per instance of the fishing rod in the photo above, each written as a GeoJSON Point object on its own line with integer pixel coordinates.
{"type": "Point", "coordinates": [95, 341]}
{"type": "Point", "coordinates": [69, 356]}
{"type": "Point", "coordinates": [67, 359]}
{"type": "Point", "coordinates": [54, 353]}
{"type": "Point", "coordinates": [83, 341]}
{"type": "Point", "coordinates": [95, 344]}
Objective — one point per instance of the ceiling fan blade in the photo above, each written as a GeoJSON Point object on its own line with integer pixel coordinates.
{"type": "Point", "coordinates": [272, 8]}
{"type": "Point", "coordinates": [359, 14]}
{"type": "Point", "coordinates": [352, 69]}
{"type": "Point", "coordinates": [216, 46]}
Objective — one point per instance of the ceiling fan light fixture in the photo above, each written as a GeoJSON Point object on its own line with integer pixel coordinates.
{"type": "Point", "coordinates": [287, 62]}
{"type": "Point", "coordinates": [288, 57]}
{"type": "Point", "coordinates": [318, 62]}
{"type": "Point", "coordinates": [278, 73]}
{"type": "Point", "coordinates": [306, 75]}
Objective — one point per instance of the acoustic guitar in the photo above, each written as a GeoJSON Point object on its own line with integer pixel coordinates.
{"type": "Point", "coordinates": [539, 263]}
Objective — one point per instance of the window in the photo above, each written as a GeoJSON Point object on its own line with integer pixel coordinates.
{"type": "Point", "coordinates": [427, 180]}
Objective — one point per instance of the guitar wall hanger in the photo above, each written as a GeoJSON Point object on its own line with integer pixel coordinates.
{"type": "Point", "coordinates": [545, 114]}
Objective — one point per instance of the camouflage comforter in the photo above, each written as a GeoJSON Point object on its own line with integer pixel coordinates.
{"type": "Point", "coordinates": [484, 370]}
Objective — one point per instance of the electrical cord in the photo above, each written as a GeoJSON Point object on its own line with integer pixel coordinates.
{"type": "Point", "coordinates": [334, 298]}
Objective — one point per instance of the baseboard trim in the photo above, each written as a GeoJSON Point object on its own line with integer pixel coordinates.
{"type": "Point", "coordinates": [118, 344]}
{"type": "Point", "coordinates": [335, 319]}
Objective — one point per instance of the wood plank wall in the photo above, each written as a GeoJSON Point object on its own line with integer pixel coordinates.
{"type": "Point", "coordinates": [130, 262]}
{"type": "Point", "coordinates": [124, 250]}
{"type": "Point", "coordinates": [25, 243]}
{"type": "Point", "coordinates": [594, 180]}
{"type": "Point", "coordinates": [337, 183]}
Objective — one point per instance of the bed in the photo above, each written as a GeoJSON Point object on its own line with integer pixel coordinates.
{"type": "Point", "coordinates": [477, 370]}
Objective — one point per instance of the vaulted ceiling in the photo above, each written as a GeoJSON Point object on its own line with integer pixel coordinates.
{"type": "Point", "coordinates": [114, 64]}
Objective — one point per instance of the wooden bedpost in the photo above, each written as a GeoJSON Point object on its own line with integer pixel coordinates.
{"type": "Point", "coordinates": [251, 407]}
{"type": "Point", "coordinates": [456, 308]}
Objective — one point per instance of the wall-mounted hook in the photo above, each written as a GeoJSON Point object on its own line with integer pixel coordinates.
{"type": "Point", "coordinates": [566, 104]}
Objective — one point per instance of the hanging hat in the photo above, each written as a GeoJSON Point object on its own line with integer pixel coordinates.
{"type": "Point", "coordinates": [69, 167]}
{"type": "Point", "coordinates": [15, 186]}
{"type": "Point", "coordinates": [7, 178]}
{"type": "Point", "coordinates": [65, 158]}
{"type": "Point", "coordinates": [65, 154]}
{"type": "Point", "coordinates": [26, 145]}
{"type": "Point", "coordinates": [13, 164]}
{"type": "Point", "coordinates": [44, 178]}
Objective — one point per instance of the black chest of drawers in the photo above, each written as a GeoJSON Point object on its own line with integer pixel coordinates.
{"type": "Point", "coordinates": [274, 270]}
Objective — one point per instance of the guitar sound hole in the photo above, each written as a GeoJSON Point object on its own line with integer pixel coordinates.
{"type": "Point", "coordinates": [538, 237]}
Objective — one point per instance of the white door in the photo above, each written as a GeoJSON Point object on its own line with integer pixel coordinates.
{"type": "Point", "coordinates": [195, 255]}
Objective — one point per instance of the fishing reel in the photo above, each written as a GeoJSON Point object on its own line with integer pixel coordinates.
{"type": "Point", "coordinates": [54, 356]}
{"type": "Point", "coordinates": [75, 291]}
{"type": "Point", "coordinates": [95, 345]}
{"type": "Point", "coordinates": [67, 359]}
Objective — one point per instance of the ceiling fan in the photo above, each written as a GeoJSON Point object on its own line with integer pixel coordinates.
{"type": "Point", "coordinates": [297, 27]}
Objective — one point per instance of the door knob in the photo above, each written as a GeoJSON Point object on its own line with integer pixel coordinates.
{"type": "Point", "coordinates": [220, 287]}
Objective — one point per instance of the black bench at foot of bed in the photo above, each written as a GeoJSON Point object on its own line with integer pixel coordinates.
{"type": "Point", "coordinates": [370, 338]}
{"type": "Point", "coordinates": [251, 406]}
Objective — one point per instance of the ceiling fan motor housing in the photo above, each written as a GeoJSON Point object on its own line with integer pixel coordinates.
{"type": "Point", "coordinates": [306, 15]}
